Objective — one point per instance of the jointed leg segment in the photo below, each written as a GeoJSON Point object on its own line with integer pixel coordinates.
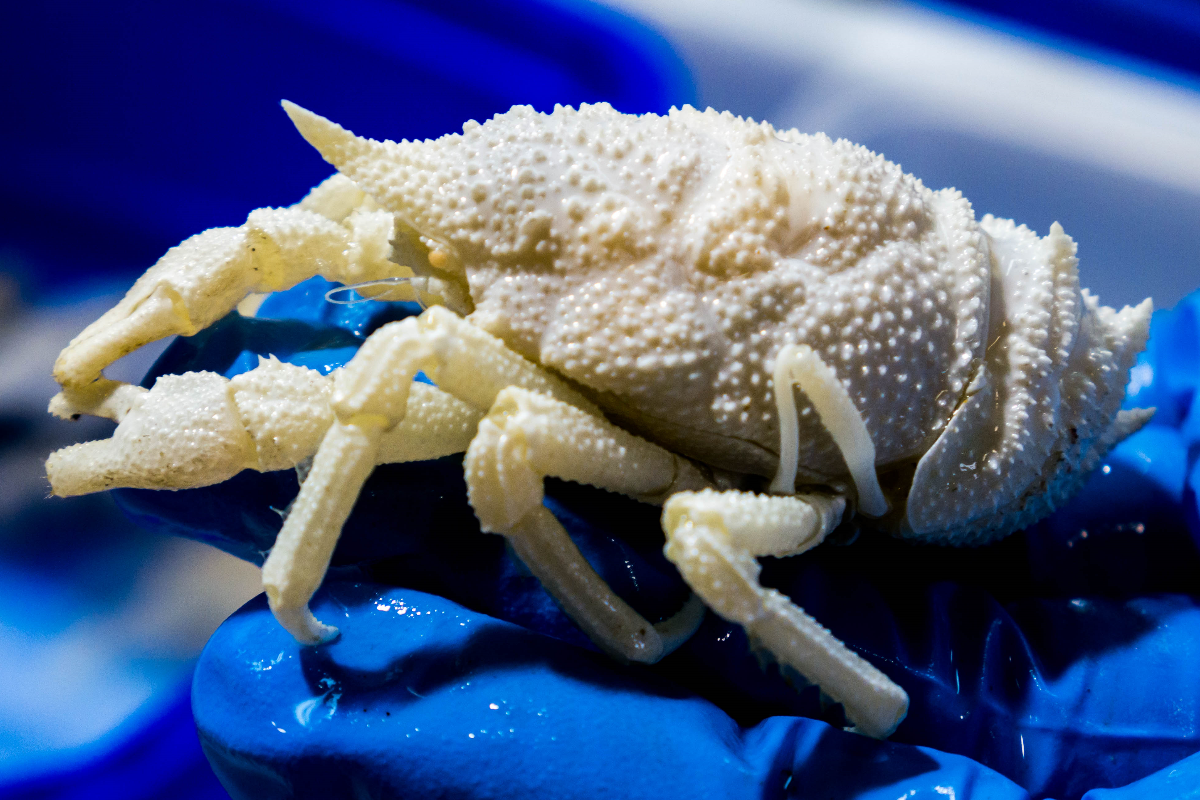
{"type": "Point", "coordinates": [528, 436]}
{"type": "Point", "coordinates": [504, 470]}
{"type": "Point", "coordinates": [713, 539]}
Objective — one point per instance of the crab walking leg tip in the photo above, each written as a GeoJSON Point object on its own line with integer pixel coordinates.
{"type": "Point", "coordinates": [300, 622]}
{"type": "Point", "coordinates": [304, 547]}
{"type": "Point", "coordinates": [874, 705]}
{"type": "Point", "coordinates": [713, 539]}
{"type": "Point", "coordinates": [542, 544]}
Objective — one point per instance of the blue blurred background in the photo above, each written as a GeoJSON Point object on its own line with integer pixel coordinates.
{"type": "Point", "coordinates": [131, 126]}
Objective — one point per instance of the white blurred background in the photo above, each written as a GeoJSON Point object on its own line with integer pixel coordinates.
{"type": "Point", "coordinates": [1027, 126]}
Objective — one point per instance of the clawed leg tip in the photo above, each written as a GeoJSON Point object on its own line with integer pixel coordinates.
{"type": "Point", "coordinates": [877, 729]}
{"type": "Point", "coordinates": [316, 634]}
{"type": "Point", "coordinates": [302, 625]}
{"type": "Point", "coordinates": [330, 635]}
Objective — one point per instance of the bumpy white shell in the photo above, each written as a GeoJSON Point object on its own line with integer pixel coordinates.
{"type": "Point", "coordinates": [662, 262]}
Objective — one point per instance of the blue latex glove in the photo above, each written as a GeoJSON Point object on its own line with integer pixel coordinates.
{"type": "Point", "coordinates": [421, 698]}
{"type": "Point", "coordinates": [1062, 658]}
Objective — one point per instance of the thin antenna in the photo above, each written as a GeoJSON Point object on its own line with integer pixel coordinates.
{"type": "Point", "coordinates": [331, 295]}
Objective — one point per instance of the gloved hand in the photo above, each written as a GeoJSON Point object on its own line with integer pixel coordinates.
{"type": "Point", "coordinates": [1062, 658]}
{"type": "Point", "coordinates": [420, 697]}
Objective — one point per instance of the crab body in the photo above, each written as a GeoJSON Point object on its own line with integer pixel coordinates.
{"type": "Point", "coordinates": [663, 262]}
{"type": "Point", "coordinates": [661, 306]}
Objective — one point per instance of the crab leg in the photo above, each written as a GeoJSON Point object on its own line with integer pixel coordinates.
{"type": "Point", "coordinates": [801, 366]}
{"type": "Point", "coordinates": [714, 537]}
{"type": "Point", "coordinates": [199, 428]}
{"type": "Point", "coordinates": [524, 438]}
{"type": "Point", "coordinates": [371, 396]}
{"type": "Point", "coordinates": [205, 277]}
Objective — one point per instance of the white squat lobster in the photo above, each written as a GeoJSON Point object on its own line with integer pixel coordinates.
{"type": "Point", "coordinates": [674, 308]}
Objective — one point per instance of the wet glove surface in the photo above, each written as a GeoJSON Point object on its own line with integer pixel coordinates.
{"type": "Point", "coordinates": [1062, 657]}
{"type": "Point", "coordinates": [422, 698]}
